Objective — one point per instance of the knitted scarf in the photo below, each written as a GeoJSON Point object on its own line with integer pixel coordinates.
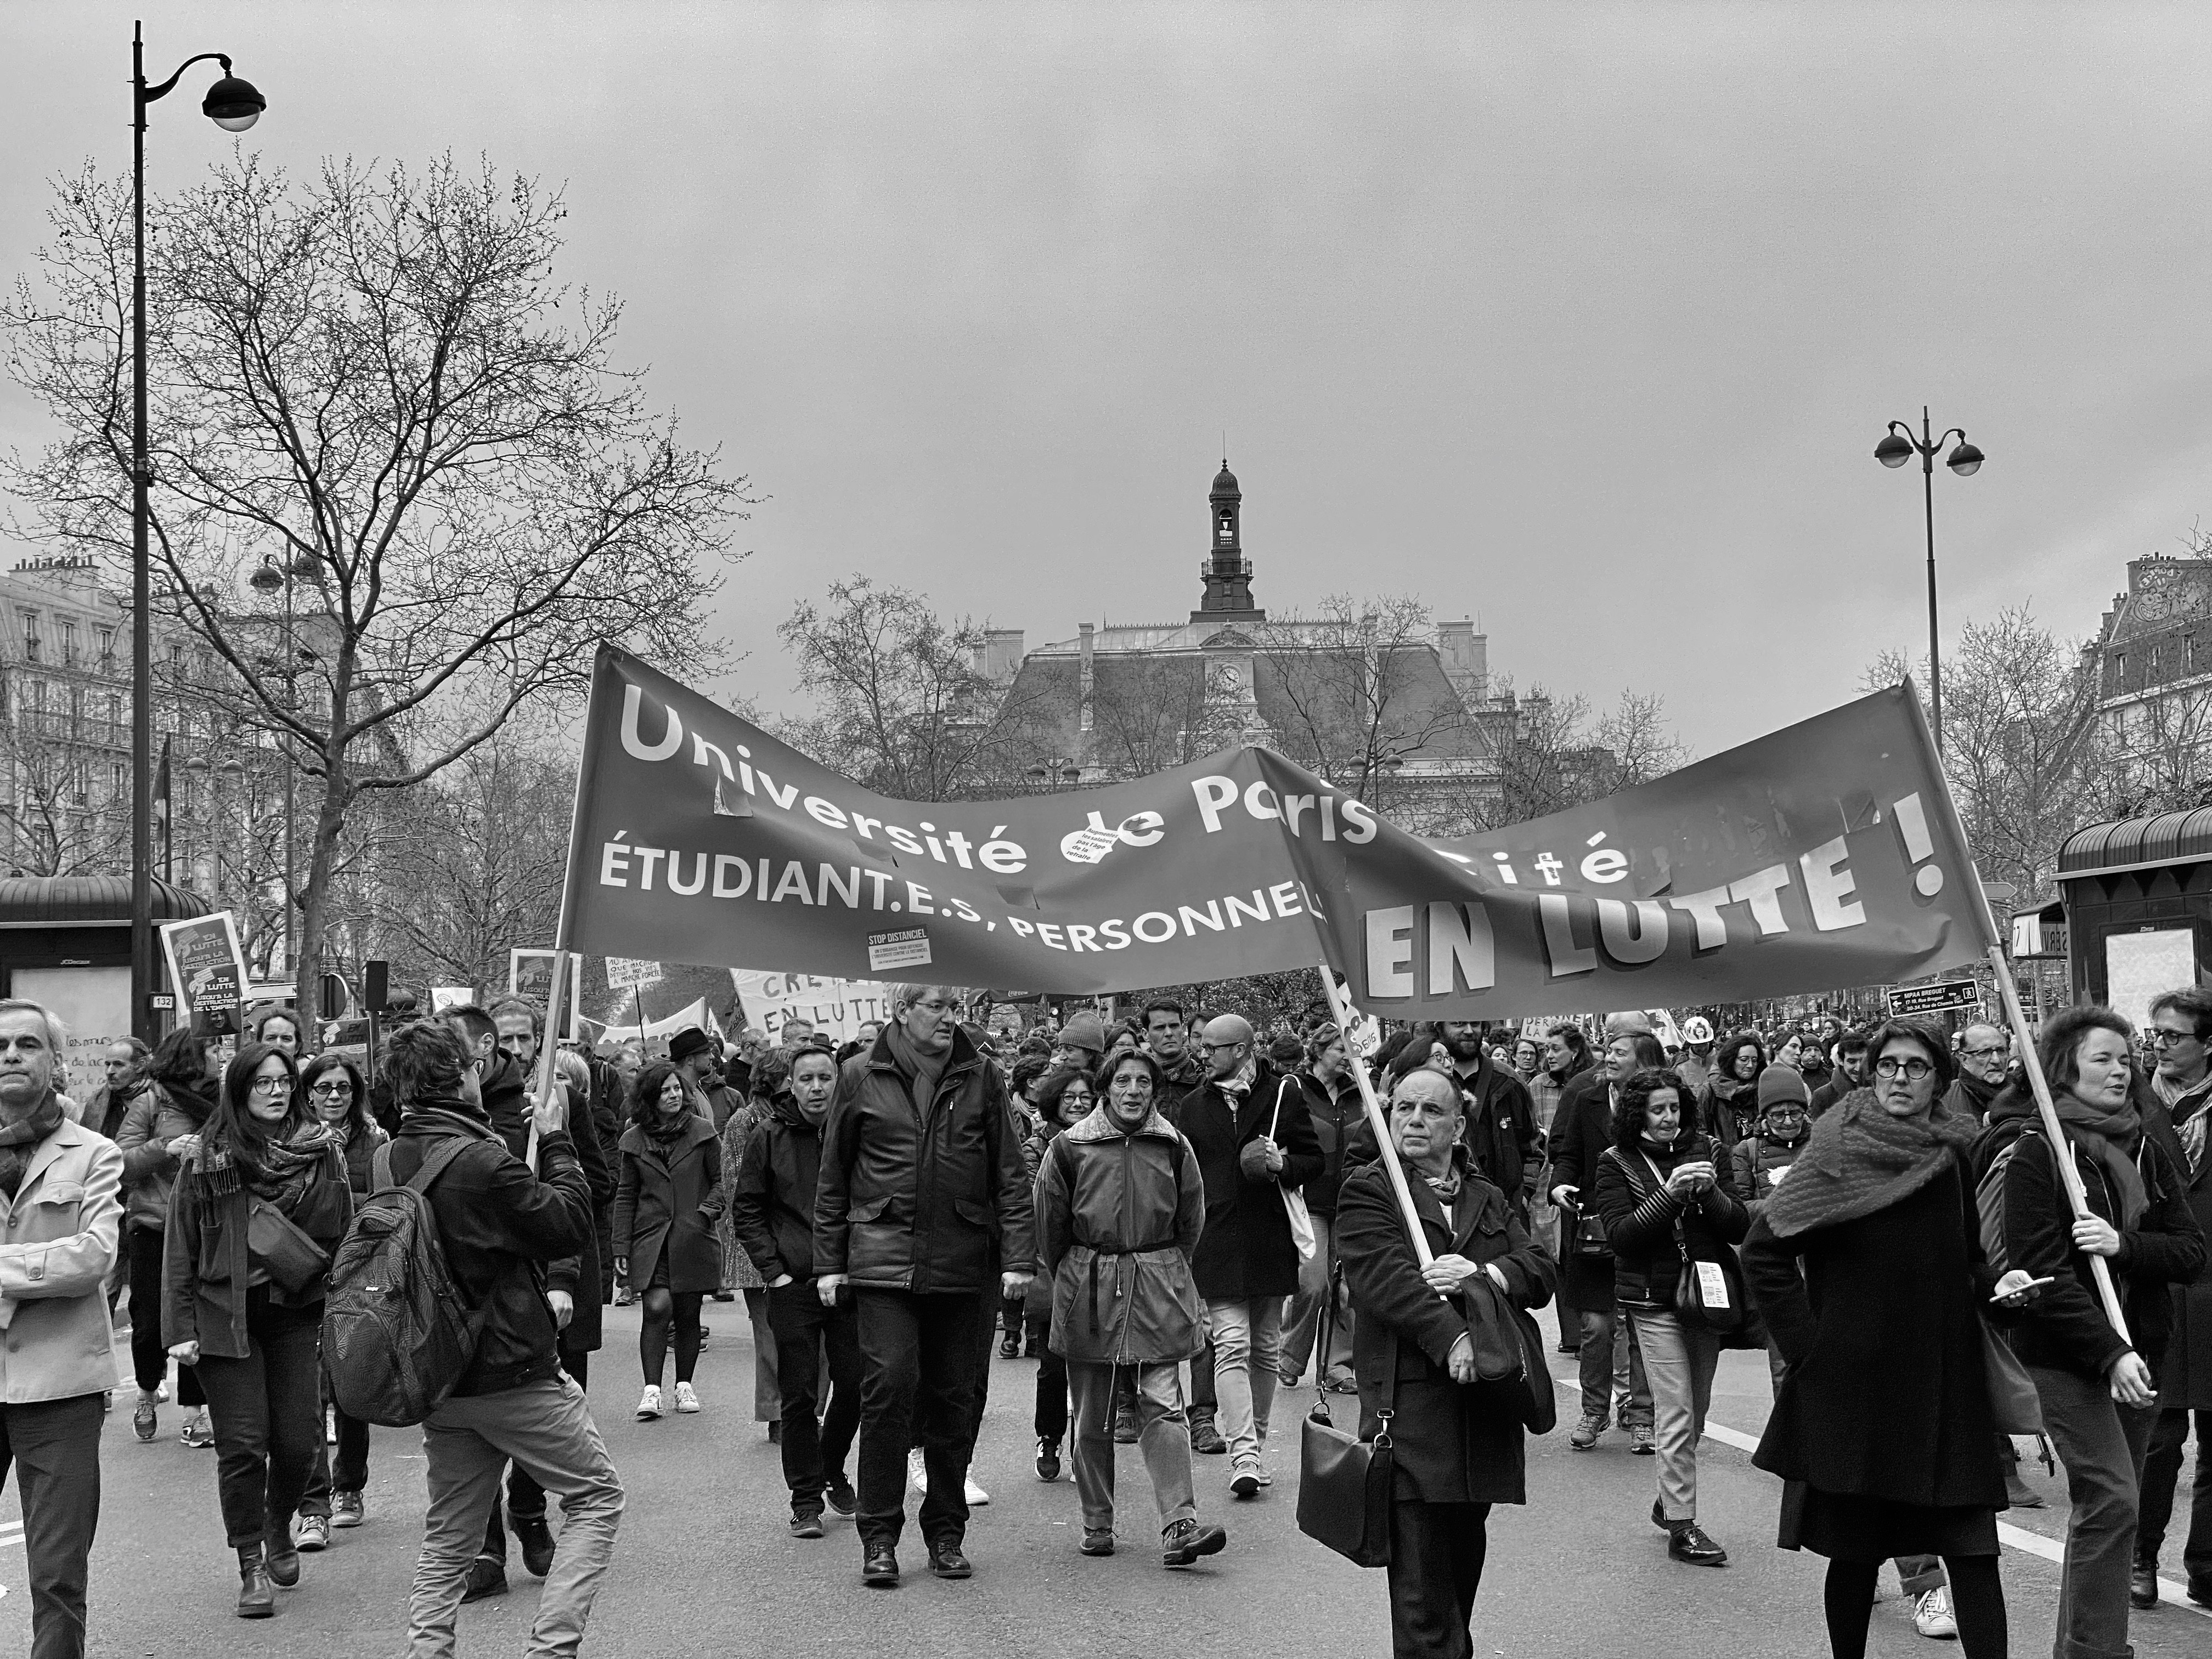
{"type": "Point", "coordinates": [19, 1139]}
{"type": "Point", "coordinates": [921, 1069]}
{"type": "Point", "coordinates": [196, 1099]}
{"type": "Point", "coordinates": [1859, 1160]}
{"type": "Point", "coordinates": [2112, 1138]}
{"type": "Point", "coordinates": [279, 1173]}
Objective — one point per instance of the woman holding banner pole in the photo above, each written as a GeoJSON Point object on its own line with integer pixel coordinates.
{"type": "Point", "coordinates": [2094, 1382]}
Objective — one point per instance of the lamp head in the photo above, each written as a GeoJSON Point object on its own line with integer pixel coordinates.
{"type": "Point", "coordinates": [269, 578]}
{"type": "Point", "coordinates": [1966, 460]}
{"type": "Point", "coordinates": [232, 104]}
{"type": "Point", "coordinates": [1893, 450]}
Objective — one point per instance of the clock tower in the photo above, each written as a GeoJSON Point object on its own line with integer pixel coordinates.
{"type": "Point", "coordinates": [1226, 571]}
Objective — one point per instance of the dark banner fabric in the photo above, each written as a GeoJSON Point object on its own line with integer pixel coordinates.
{"type": "Point", "coordinates": [1827, 855]}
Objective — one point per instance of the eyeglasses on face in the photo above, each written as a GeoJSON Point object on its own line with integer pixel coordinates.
{"type": "Point", "coordinates": [1981, 1054]}
{"type": "Point", "coordinates": [1914, 1069]}
{"type": "Point", "coordinates": [272, 1085]}
{"type": "Point", "coordinates": [2159, 1036]}
{"type": "Point", "coordinates": [333, 1090]}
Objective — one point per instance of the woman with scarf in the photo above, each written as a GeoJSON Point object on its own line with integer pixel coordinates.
{"type": "Point", "coordinates": [340, 1100]}
{"type": "Point", "coordinates": [1065, 1098]}
{"type": "Point", "coordinates": [160, 1131]}
{"type": "Point", "coordinates": [1866, 1263]}
{"type": "Point", "coordinates": [1730, 1104]}
{"type": "Point", "coordinates": [2096, 1388]}
{"type": "Point", "coordinates": [1667, 1206]}
{"type": "Point", "coordinates": [1763, 1158]}
{"type": "Point", "coordinates": [258, 1209]}
{"type": "Point", "coordinates": [668, 1199]}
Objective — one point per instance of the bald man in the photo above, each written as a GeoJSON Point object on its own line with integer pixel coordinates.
{"type": "Point", "coordinates": [1247, 1124]}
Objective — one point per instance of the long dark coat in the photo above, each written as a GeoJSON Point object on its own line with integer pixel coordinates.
{"type": "Point", "coordinates": [1885, 1396]}
{"type": "Point", "coordinates": [669, 1201]}
{"type": "Point", "coordinates": [2186, 1381]}
{"type": "Point", "coordinates": [1453, 1445]}
{"type": "Point", "coordinates": [1247, 1252]}
{"type": "Point", "coordinates": [1582, 1129]}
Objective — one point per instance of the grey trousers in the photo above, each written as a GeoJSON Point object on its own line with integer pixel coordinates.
{"type": "Point", "coordinates": [1679, 1359]}
{"type": "Point", "coordinates": [545, 1428]}
{"type": "Point", "coordinates": [1161, 1436]}
{"type": "Point", "coordinates": [2101, 1444]}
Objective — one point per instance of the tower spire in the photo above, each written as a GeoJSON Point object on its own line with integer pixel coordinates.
{"type": "Point", "coordinates": [1226, 572]}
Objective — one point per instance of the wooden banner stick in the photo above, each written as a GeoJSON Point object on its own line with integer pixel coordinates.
{"type": "Point", "coordinates": [1341, 1009]}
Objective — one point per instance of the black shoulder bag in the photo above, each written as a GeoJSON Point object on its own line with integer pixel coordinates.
{"type": "Point", "coordinates": [1345, 1483]}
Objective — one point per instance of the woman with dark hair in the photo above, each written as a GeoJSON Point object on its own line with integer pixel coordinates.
{"type": "Point", "coordinates": [1728, 1110]}
{"type": "Point", "coordinates": [741, 1275]}
{"type": "Point", "coordinates": [1668, 1210]}
{"type": "Point", "coordinates": [160, 1131]}
{"type": "Point", "coordinates": [258, 1209]}
{"type": "Point", "coordinates": [1065, 1098]}
{"type": "Point", "coordinates": [1865, 1261]}
{"type": "Point", "coordinates": [339, 1098]}
{"type": "Point", "coordinates": [669, 1198]}
{"type": "Point", "coordinates": [2096, 1388]}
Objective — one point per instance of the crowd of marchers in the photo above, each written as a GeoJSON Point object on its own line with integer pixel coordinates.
{"type": "Point", "coordinates": [1175, 1221]}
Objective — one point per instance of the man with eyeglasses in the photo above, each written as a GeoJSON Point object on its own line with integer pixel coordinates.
{"type": "Point", "coordinates": [923, 1196]}
{"type": "Point", "coordinates": [2179, 1091]}
{"type": "Point", "coordinates": [1984, 1068]}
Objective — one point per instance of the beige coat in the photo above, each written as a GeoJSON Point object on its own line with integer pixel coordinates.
{"type": "Point", "coordinates": [57, 1239]}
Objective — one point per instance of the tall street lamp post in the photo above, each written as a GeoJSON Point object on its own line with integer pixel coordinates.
{"type": "Point", "coordinates": [1895, 450]}
{"type": "Point", "coordinates": [234, 106]}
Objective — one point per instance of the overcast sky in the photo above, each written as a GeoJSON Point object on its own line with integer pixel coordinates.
{"type": "Point", "coordinates": [1582, 319]}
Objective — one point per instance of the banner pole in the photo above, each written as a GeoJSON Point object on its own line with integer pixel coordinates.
{"type": "Point", "coordinates": [548, 1046]}
{"type": "Point", "coordinates": [2062, 1151]}
{"type": "Point", "coordinates": [1341, 1010]}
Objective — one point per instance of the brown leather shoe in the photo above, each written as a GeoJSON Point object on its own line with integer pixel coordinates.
{"type": "Point", "coordinates": [256, 1599]}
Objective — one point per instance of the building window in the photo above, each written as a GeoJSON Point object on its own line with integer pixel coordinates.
{"type": "Point", "coordinates": [1228, 528]}
{"type": "Point", "coordinates": [119, 780]}
{"type": "Point", "coordinates": [114, 718]}
{"type": "Point", "coordinates": [66, 627]}
{"type": "Point", "coordinates": [30, 636]}
{"type": "Point", "coordinates": [76, 712]}
{"type": "Point", "coordinates": [107, 639]}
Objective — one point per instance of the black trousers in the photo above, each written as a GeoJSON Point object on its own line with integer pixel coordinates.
{"type": "Point", "coordinates": [1051, 1420]}
{"type": "Point", "coordinates": [1435, 1567]}
{"type": "Point", "coordinates": [1202, 1402]}
{"type": "Point", "coordinates": [525, 1498]}
{"type": "Point", "coordinates": [150, 1355]}
{"type": "Point", "coordinates": [816, 1443]}
{"type": "Point", "coordinates": [53, 1446]}
{"type": "Point", "coordinates": [348, 1471]}
{"type": "Point", "coordinates": [919, 1356]}
{"type": "Point", "coordinates": [266, 1410]}
{"type": "Point", "coordinates": [2161, 1473]}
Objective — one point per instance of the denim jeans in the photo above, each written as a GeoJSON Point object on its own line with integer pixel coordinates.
{"type": "Point", "coordinates": [1247, 1341]}
{"type": "Point", "coordinates": [53, 1446]}
{"type": "Point", "coordinates": [1161, 1435]}
{"type": "Point", "coordinates": [2161, 1473]}
{"type": "Point", "coordinates": [815, 1441]}
{"type": "Point", "coordinates": [1613, 1371]}
{"type": "Point", "coordinates": [919, 1356]}
{"type": "Point", "coordinates": [2101, 1444]}
{"type": "Point", "coordinates": [545, 1428]}
{"type": "Point", "coordinates": [1679, 1359]}
{"type": "Point", "coordinates": [267, 1413]}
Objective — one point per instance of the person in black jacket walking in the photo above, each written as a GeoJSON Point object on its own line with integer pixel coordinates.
{"type": "Point", "coordinates": [499, 1225]}
{"type": "Point", "coordinates": [1667, 1207]}
{"type": "Point", "coordinates": [1335, 1108]}
{"type": "Point", "coordinates": [923, 1189]}
{"type": "Point", "coordinates": [668, 1200]}
{"type": "Point", "coordinates": [772, 1210]}
{"type": "Point", "coordinates": [1247, 1124]}
{"type": "Point", "coordinates": [2096, 1388]}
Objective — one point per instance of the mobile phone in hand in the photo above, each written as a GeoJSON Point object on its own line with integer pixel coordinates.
{"type": "Point", "coordinates": [2022, 1290]}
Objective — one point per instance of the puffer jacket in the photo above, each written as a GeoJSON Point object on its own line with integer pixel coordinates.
{"type": "Point", "coordinates": [1119, 1216]}
{"type": "Point", "coordinates": [925, 1203]}
{"type": "Point", "coordinates": [1757, 1163]}
{"type": "Point", "coordinates": [150, 1168]}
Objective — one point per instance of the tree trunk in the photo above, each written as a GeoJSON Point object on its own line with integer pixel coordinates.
{"type": "Point", "coordinates": [338, 796]}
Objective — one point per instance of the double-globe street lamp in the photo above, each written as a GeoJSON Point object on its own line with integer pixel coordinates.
{"type": "Point", "coordinates": [234, 106]}
{"type": "Point", "coordinates": [1895, 450]}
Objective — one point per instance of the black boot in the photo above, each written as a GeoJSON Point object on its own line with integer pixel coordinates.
{"type": "Point", "coordinates": [281, 1556]}
{"type": "Point", "coordinates": [256, 1598]}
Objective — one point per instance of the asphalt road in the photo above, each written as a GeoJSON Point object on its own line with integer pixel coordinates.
{"type": "Point", "coordinates": [704, 1565]}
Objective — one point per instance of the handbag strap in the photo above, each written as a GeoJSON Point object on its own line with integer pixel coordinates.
{"type": "Point", "coordinates": [1389, 1408]}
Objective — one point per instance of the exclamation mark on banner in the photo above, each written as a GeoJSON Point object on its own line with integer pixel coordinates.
{"type": "Point", "coordinates": [1919, 845]}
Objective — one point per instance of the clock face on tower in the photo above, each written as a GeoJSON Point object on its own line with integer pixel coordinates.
{"type": "Point", "coordinates": [1232, 679]}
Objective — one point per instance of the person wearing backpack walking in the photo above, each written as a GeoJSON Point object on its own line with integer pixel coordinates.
{"type": "Point", "coordinates": [256, 1212]}
{"type": "Point", "coordinates": [2096, 1388]}
{"type": "Point", "coordinates": [499, 1228]}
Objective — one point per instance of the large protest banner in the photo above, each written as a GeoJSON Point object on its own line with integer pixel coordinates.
{"type": "Point", "coordinates": [1827, 855]}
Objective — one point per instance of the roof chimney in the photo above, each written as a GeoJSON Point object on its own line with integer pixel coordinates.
{"type": "Point", "coordinates": [1084, 691]}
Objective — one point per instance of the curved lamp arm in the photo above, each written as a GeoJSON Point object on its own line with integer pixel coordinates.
{"type": "Point", "coordinates": [150, 93]}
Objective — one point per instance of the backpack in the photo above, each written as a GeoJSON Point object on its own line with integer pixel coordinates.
{"type": "Point", "coordinates": [1988, 1204]}
{"type": "Point", "coordinates": [397, 1334]}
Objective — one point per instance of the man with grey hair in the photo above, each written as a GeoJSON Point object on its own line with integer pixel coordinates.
{"type": "Point", "coordinates": [922, 1193]}
{"type": "Point", "coordinates": [1255, 1145]}
{"type": "Point", "coordinates": [1984, 1064]}
{"type": "Point", "coordinates": [61, 1213]}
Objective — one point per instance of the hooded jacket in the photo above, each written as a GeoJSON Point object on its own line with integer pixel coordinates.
{"type": "Point", "coordinates": [1119, 1216]}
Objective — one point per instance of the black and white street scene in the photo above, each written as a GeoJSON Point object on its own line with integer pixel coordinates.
{"type": "Point", "coordinates": [672, 982]}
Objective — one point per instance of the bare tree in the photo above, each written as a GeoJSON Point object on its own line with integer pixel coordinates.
{"type": "Point", "coordinates": [371, 380]}
{"type": "Point", "coordinates": [899, 707]}
{"type": "Point", "coordinates": [58, 814]}
{"type": "Point", "coordinates": [1149, 713]}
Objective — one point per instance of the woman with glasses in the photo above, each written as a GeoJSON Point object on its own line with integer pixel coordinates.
{"type": "Point", "coordinates": [258, 1209]}
{"type": "Point", "coordinates": [1063, 1099]}
{"type": "Point", "coordinates": [338, 1100]}
{"type": "Point", "coordinates": [1865, 1262]}
{"type": "Point", "coordinates": [1730, 1104]}
{"type": "Point", "coordinates": [2096, 1386]}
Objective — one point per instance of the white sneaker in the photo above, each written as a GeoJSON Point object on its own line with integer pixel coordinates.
{"type": "Point", "coordinates": [1931, 1614]}
{"type": "Point", "coordinates": [648, 1405]}
{"type": "Point", "coordinates": [686, 1399]}
{"type": "Point", "coordinates": [977, 1496]}
{"type": "Point", "coordinates": [916, 1476]}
